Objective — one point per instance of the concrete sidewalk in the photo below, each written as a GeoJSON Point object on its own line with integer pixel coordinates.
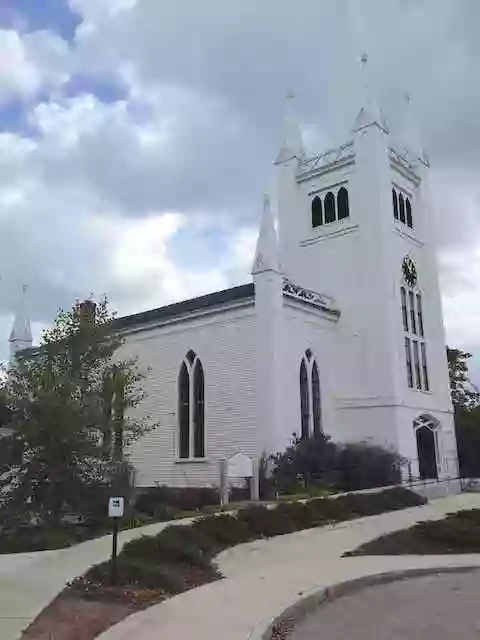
{"type": "Point", "coordinates": [264, 577]}
{"type": "Point", "coordinates": [30, 581]}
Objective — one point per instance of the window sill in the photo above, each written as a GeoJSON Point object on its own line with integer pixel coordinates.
{"type": "Point", "coordinates": [190, 460]}
{"type": "Point", "coordinates": [331, 229]}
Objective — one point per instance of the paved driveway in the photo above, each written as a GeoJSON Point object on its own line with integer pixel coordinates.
{"type": "Point", "coordinates": [436, 607]}
{"type": "Point", "coordinates": [264, 577]}
{"type": "Point", "coordinates": [30, 581]}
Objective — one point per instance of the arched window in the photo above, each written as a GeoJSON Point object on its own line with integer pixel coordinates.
{"type": "Point", "coordinates": [304, 401]}
{"type": "Point", "coordinates": [401, 203]}
{"type": "Point", "coordinates": [184, 412]}
{"type": "Point", "coordinates": [395, 204]}
{"type": "Point", "coordinates": [329, 205]}
{"type": "Point", "coordinates": [310, 405]}
{"type": "Point", "coordinates": [199, 411]}
{"type": "Point", "coordinates": [191, 408]}
{"type": "Point", "coordinates": [317, 213]}
{"type": "Point", "coordinates": [342, 204]}
{"type": "Point", "coordinates": [408, 207]}
{"type": "Point", "coordinates": [317, 418]}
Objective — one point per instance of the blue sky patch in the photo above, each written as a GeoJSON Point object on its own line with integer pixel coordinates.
{"type": "Point", "coordinates": [105, 87]}
{"type": "Point", "coordinates": [14, 119]}
{"type": "Point", "coordinates": [33, 15]}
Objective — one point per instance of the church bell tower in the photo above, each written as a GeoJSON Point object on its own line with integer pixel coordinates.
{"type": "Point", "coordinates": [355, 223]}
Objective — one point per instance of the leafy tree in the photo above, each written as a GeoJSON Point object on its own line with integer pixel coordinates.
{"type": "Point", "coordinates": [464, 393]}
{"type": "Point", "coordinates": [69, 401]}
{"type": "Point", "coordinates": [466, 404]}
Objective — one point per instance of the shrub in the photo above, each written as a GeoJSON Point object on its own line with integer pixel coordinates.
{"type": "Point", "coordinates": [265, 522]}
{"type": "Point", "coordinates": [318, 463]}
{"type": "Point", "coordinates": [457, 533]}
{"type": "Point", "coordinates": [364, 466]}
{"type": "Point", "coordinates": [307, 462]}
{"type": "Point", "coordinates": [222, 531]}
{"type": "Point", "coordinates": [170, 579]}
{"type": "Point", "coordinates": [296, 512]}
{"type": "Point", "coordinates": [172, 545]}
{"type": "Point", "coordinates": [162, 502]}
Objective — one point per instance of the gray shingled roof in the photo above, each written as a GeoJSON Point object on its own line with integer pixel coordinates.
{"type": "Point", "coordinates": [171, 311]}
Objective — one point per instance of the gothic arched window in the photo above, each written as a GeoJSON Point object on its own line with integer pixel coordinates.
{"type": "Point", "coordinates": [401, 203]}
{"type": "Point", "coordinates": [329, 206]}
{"type": "Point", "coordinates": [316, 407]}
{"type": "Point", "coordinates": [317, 213]}
{"type": "Point", "coordinates": [304, 401]}
{"type": "Point", "coordinates": [184, 412]}
{"type": "Point", "coordinates": [408, 207]}
{"type": "Point", "coordinates": [310, 404]}
{"type": "Point", "coordinates": [191, 408]}
{"type": "Point", "coordinates": [342, 204]}
{"type": "Point", "coordinates": [395, 204]}
{"type": "Point", "coordinates": [199, 411]}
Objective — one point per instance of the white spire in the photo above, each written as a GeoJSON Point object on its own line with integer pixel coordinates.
{"type": "Point", "coordinates": [267, 252]}
{"type": "Point", "coordinates": [292, 144]}
{"type": "Point", "coordinates": [21, 334]}
{"type": "Point", "coordinates": [370, 112]}
{"type": "Point", "coordinates": [410, 140]}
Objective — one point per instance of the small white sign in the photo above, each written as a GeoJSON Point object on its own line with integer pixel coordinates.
{"type": "Point", "coordinates": [240, 466]}
{"type": "Point", "coordinates": [116, 507]}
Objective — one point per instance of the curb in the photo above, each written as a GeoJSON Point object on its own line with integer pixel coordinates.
{"type": "Point", "coordinates": [284, 622]}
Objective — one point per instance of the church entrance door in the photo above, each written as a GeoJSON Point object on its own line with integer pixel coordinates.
{"type": "Point", "coordinates": [427, 455]}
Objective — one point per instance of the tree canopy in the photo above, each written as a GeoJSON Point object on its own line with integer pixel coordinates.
{"type": "Point", "coordinates": [69, 404]}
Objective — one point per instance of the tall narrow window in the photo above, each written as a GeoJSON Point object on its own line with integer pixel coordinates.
{"type": "Point", "coordinates": [184, 412]}
{"type": "Point", "coordinates": [416, 360]}
{"type": "Point", "coordinates": [408, 208]}
{"type": "Point", "coordinates": [401, 204]}
{"type": "Point", "coordinates": [329, 205]}
{"type": "Point", "coordinates": [304, 401]}
{"type": "Point", "coordinates": [426, 383]}
{"type": "Point", "coordinates": [191, 408]}
{"type": "Point", "coordinates": [395, 204]}
{"type": "Point", "coordinates": [413, 317]}
{"type": "Point", "coordinates": [342, 204]}
{"type": "Point", "coordinates": [403, 295]}
{"type": "Point", "coordinates": [420, 315]}
{"type": "Point", "coordinates": [408, 359]}
{"type": "Point", "coordinates": [317, 213]}
{"type": "Point", "coordinates": [317, 425]}
{"type": "Point", "coordinates": [199, 411]}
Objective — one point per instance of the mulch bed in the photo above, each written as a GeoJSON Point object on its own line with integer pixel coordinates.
{"type": "Point", "coordinates": [71, 617]}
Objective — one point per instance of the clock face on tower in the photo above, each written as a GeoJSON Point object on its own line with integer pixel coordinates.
{"type": "Point", "coordinates": [409, 271]}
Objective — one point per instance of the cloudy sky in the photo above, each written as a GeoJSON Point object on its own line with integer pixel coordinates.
{"type": "Point", "coordinates": [136, 136]}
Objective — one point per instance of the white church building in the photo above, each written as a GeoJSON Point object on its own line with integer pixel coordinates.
{"type": "Point", "coordinates": [339, 331]}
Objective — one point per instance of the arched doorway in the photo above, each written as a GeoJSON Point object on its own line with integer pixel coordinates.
{"type": "Point", "coordinates": [427, 447]}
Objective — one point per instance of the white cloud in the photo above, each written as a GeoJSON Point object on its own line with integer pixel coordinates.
{"type": "Point", "coordinates": [30, 62]}
{"type": "Point", "coordinates": [100, 197]}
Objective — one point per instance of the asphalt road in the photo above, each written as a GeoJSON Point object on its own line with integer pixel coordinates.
{"type": "Point", "coordinates": [436, 607]}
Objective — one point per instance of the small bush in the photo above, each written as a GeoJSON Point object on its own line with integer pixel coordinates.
{"type": "Point", "coordinates": [457, 533]}
{"type": "Point", "coordinates": [297, 513]}
{"type": "Point", "coordinates": [172, 545]}
{"type": "Point", "coordinates": [162, 502]}
{"type": "Point", "coordinates": [265, 522]}
{"type": "Point", "coordinates": [222, 531]}
{"type": "Point", "coordinates": [365, 466]}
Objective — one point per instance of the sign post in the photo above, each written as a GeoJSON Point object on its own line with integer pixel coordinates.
{"type": "Point", "coordinates": [116, 507]}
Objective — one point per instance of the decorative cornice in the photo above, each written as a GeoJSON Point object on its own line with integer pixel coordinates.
{"type": "Point", "coordinates": [404, 165]}
{"type": "Point", "coordinates": [325, 161]}
{"type": "Point", "coordinates": [326, 303]}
